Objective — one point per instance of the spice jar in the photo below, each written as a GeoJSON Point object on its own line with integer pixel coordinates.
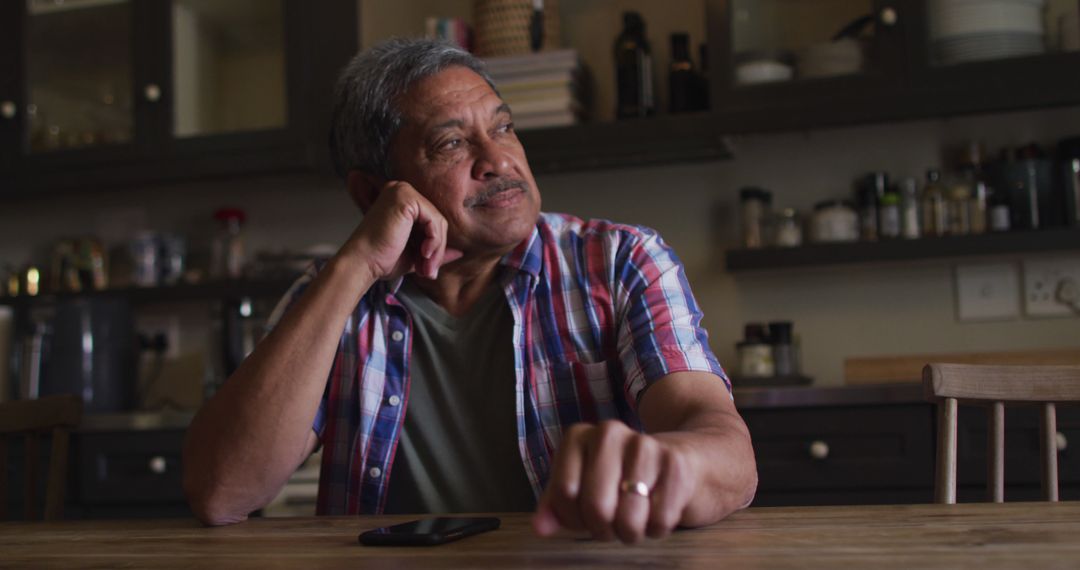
{"type": "Point", "coordinates": [935, 219]}
{"type": "Point", "coordinates": [833, 221]}
{"type": "Point", "coordinates": [959, 213]}
{"type": "Point", "coordinates": [783, 350]}
{"type": "Point", "coordinates": [227, 257]}
{"type": "Point", "coordinates": [787, 232]}
{"type": "Point", "coordinates": [755, 353]}
{"type": "Point", "coordinates": [754, 204]}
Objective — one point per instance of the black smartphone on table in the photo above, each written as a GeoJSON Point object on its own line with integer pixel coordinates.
{"type": "Point", "coordinates": [428, 532]}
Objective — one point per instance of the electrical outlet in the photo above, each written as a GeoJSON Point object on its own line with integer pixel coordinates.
{"type": "Point", "coordinates": [987, 292]}
{"type": "Point", "coordinates": [1052, 287]}
{"type": "Point", "coordinates": [167, 326]}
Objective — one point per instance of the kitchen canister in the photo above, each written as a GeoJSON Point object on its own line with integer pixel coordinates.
{"type": "Point", "coordinates": [505, 27]}
{"type": "Point", "coordinates": [835, 221]}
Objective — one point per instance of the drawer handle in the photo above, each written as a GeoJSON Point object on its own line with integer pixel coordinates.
{"type": "Point", "coordinates": [1061, 441]}
{"type": "Point", "coordinates": [158, 465]}
{"type": "Point", "coordinates": [819, 449]}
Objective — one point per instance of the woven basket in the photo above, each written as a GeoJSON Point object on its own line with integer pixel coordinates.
{"type": "Point", "coordinates": [502, 27]}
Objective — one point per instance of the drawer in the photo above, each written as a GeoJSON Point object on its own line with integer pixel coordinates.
{"type": "Point", "coordinates": [1022, 456]}
{"type": "Point", "coordinates": [126, 468]}
{"type": "Point", "coordinates": [843, 448]}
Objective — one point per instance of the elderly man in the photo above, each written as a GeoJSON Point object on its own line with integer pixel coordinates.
{"type": "Point", "coordinates": [464, 352]}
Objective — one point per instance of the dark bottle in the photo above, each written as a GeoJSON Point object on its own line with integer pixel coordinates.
{"type": "Point", "coordinates": [703, 78]}
{"type": "Point", "coordinates": [633, 70]}
{"type": "Point", "coordinates": [683, 81]}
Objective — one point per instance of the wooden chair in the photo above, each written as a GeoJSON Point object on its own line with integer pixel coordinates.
{"type": "Point", "coordinates": [55, 415]}
{"type": "Point", "coordinates": [995, 386]}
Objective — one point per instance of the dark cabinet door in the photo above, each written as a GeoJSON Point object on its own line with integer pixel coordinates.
{"type": "Point", "coordinates": [784, 64]}
{"type": "Point", "coordinates": [990, 56]}
{"type": "Point", "coordinates": [124, 91]}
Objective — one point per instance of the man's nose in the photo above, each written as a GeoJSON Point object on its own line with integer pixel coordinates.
{"type": "Point", "coordinates": [491, 161]}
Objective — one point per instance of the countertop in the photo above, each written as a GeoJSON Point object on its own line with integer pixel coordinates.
{"type": "Point", "coordinates": [972, 535]}
{"type": "Point", "coordinates": [813, 396]}
{"type": "Point", "coordinates": [745, 399]}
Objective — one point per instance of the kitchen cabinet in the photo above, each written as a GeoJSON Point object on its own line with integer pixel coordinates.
{"type": "Point", "coordinates": [877, 445]}
{"type": "Point", "coordinates": [907, 72]}
{"type": "Point", "coordinates": [159, 128]}
{"type": "Point", "coordinates": [111, 92]}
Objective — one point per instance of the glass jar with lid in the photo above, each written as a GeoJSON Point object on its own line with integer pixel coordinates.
{"type": "Point", "coordinates": [754, 209]}
{"type": "Point", "coordinates": [835, 221]}
{"type": "Point", "coordinates": [787, 229]}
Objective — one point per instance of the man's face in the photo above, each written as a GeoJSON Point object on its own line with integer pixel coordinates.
{"type": "Point", "coordinates": [457, 147]}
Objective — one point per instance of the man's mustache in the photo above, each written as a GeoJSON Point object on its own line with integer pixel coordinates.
{"type": "Point", "coordinates": [493, 189]}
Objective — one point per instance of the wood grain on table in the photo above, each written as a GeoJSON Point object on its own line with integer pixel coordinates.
{"type": "Point", "coordinates": [984, 535]}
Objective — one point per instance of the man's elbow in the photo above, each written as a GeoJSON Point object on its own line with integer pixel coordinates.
{"type": "Point", "coordinates": [209, 505]}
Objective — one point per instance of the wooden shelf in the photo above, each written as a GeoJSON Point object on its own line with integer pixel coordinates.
{"type": "Point", "coordinates": [664, 139]}
{"type": "Point", "coordinates": [232, 289]}
{"type": "Point", "coordinates": [1035, 241]}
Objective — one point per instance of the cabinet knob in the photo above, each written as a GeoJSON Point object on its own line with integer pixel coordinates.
{"type": "Point", "coordinates": [8, 109]}
{"type": "Point", "coordinates": [158, 465]}
{"type": "Point", "coordinates": [889, 17]}
{"type": "Point", "coordinates": [819, 449]}
{"type": "Point", "coordinates": [1061, 441]}
{"type": "Point", "coordinates": [152, 92]}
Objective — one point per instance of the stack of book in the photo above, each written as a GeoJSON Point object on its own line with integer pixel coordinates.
{"type": "Point", "coordinates": [453, 30]}
{"type": "Point", "coordinates": [545, 89]}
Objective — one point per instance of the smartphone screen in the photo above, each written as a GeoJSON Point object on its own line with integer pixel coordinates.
{"type": "Point", "coordinates": [428, 532]}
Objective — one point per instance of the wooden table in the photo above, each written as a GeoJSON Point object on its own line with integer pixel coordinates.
{"type": "Point", "coordinates": [1011, 535]}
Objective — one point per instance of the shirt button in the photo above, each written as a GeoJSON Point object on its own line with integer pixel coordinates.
{"type": "Point", "coordinates": [396, 336]}
{"type": "Point", "coordinates": [375, 472]}
{"type": "Point", "coordinates": [394, 400]}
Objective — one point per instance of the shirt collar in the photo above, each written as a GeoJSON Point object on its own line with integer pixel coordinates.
{"type": "Point", "coordinates": [528, 255]}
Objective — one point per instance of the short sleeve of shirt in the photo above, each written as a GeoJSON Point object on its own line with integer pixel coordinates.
{"type": "Point", "coordinates": [287, 300]}
{"type": "Point", "coordinates": [660, 327]}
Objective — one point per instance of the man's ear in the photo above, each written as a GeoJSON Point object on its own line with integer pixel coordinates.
{"type": "Point", "coordinates": [363, 188]}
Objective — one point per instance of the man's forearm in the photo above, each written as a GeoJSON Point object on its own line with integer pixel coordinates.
{"type": "Point", "coordinates": [249, 438]}
{"type": "Point", "coordinates": [717, 448]}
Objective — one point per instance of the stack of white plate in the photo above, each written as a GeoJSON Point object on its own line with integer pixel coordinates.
{"type": "Point", "coordinates": [973, 30]}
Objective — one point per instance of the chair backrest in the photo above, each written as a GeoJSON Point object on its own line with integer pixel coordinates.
{"type": "Point", "coordinates": [995, 386]}
{"type": "Point", "coordinates": [34, 419]}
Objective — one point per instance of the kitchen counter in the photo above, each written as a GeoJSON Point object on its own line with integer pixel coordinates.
{"type": "Point", "coordinates": [810, 396]}
{"type": "Point", "coordinates": [135, 421]}
{"type": "Point", "coordinates": [984, 535]}
{"type": "Point", "coordinates": [745, 399]}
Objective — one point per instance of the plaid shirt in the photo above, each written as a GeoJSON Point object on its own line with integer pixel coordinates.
{"type": "Point", "coordinates": [601, 310]}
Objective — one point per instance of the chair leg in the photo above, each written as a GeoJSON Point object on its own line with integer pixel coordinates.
{"type": "Point", "coordinates": [54, 493]}
{"type": "Point", "coordinates": [945, 484]}
{"type": "Point", "coordinates": [995, 451]}
{"type": "Point", "coordinates": [1049, 452]}
{"type": "Point", "coordinates": [3, 478]}
{"type": "Point", "coordinates": [30, 470]}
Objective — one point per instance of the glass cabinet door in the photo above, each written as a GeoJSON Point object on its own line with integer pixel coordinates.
{"type": "Point", "coordinates": [775, 41]}
{"type": "Point", "coordinates": [228, 61]}
{"type": "Point", "coordinates": [966, 31]}
{"type": "Point", "coordinates": [79, 74]}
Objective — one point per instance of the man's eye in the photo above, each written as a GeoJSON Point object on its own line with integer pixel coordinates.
{"type": "Point", "coordinates": [506, 127]}
{"type": "Point", "coordinates": [450, 144]}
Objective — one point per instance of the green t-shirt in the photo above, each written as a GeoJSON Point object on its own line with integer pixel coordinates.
{"type": "Point", "coordinates": [459, 448]}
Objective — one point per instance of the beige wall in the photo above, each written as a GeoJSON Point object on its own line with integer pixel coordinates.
{"type": "Point", "coordinates": [838, 312]}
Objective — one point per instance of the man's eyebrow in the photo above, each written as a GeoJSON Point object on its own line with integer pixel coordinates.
{"type": "Point", "coordinates": [452, 123]}
{"type": "Point", "coordinates": [458, 123]}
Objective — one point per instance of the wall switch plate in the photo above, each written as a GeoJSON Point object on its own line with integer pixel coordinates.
{"type": "Point", "coordinates": [1052, 287]}
{"type": "Point", "coordinates": [987, 292]}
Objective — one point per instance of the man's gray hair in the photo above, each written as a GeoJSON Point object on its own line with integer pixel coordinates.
{"type": "Point", "coordinates": [366, 115]}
